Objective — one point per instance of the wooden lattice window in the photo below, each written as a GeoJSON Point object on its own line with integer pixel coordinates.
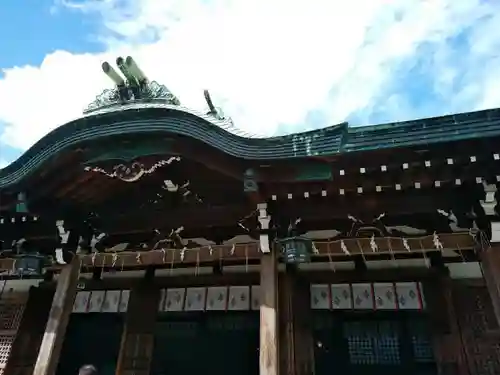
{"type": "Point", "coordinates": [11, 312]}
{"type": "Point", "coordinates": [478, 324]}
{"type": "Point", "coordinates": [421, 341]}
{"type": "Point", "coordinates": [371, 343]}
{"type": "Point", "coordinates": [5, 346]}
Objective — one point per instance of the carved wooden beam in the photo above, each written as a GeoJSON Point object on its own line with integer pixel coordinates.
{"type": "Point", "coordinates": [166, 257]}
{"type": "Point", "coordinates": [395, 245]}
{"type": "Point", "coordinates": [329, 208]}
{"type": "Point", "coordinates": [189, 217]}
{"type": "Point", "coordinates": [240, 253]}
{"type": "Point", "coordinates": [244, 252]}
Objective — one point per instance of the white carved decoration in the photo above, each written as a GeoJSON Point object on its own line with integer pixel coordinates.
{"type": "Point", "coordinates": [489, 201]}
{"type": "Point", "coordinates": [410, 231]}
{"type": "Point", "coordinates": [454, 221]}
{"type": "Point", "coordinates": [64, 234]}
{"type": "Point", "coordinates": [133, 172]}
{"type": "Point", "coordinates": [319, 235]}
{"type": "Point", "coordinates": [264, 220]}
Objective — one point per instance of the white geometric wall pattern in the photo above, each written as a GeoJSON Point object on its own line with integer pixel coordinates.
{"type": "Point", "coordinates": [101, 301]}
{"type": "Point", "coordinates": [368, 296]}
{"type": "Point", "coordinates": [341, 295]}
{"type": "Point", "coordinates": [174, 299]}
{"type": "Point", "coordinates": [239, 298]}
{"type": "Point", "coordinates": [217, 298]}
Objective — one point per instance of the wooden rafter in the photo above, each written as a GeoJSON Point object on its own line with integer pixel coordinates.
{"type": "Point", "coordinates": [250, 251]}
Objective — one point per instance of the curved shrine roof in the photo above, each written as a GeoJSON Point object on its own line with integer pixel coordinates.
{"type": "Point", "coordinates": [161, 112]}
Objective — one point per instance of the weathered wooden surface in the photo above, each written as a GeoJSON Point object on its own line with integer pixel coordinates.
{"type": "Point", "coordinates": [30, 334]}
{"type": "Point", "coordinates": [296, 349]}
{"type": "Point", "coordinates": [268, 353]}
{"type": "Point", "coordinates": [478, 328]}
{"type": "Point", "coordinates": [136, 349]}
{"type": "Point", "coordinates": [490, 261]}
{"type": "Point", "coordinates": [250, 251]}
{"type": "Point", "coordinates": [242, 253]}
{"type": "Point", "coordinates": [12, 308]}
{"type": "Point", "coordinates": [168, 257]}
{"type": "Point", "coordinates": [60, 311]}
{"type": "Point", "coordinates": [387, 245]}
{"type": "Point", "coordinates": [448, 344]}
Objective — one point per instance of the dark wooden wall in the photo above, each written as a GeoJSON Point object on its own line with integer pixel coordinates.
{"type": "Point", "coordinates": [296, 346]}
{"type": "Point", "coordinates": [138, 336]}
{"type": "Point", "coordinates": [479, 330]}
{"type": "Point", "coordinates": [466, 332]}
{"type": "Point", "coordinates": [29, 336]}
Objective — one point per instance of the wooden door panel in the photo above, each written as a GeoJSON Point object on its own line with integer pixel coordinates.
{"type": "Point", "coordinates": [138, 337]}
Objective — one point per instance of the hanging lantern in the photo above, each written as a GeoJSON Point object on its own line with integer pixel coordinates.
{"type": "Point", "coordinates": [21, 205]}
{"type": "Point", "coordinates": [29, 264]}
{"type": "Point", "coordinates": [296, 249]}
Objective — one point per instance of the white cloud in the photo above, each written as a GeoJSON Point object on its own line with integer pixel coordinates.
{"type": "Point", "coordinates": [270, 62]}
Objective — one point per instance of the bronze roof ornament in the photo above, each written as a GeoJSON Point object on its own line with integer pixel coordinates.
{"type": "Point", "coordinates": [131, 87]}
{"type": "Point", "coordinates": [133, 90]}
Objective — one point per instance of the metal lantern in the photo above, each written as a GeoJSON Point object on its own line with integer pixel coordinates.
{"type": "Point", "coordinates": [21, 205]}
{"type": "Point", "coordinates": [296, 249]}
{"type": "Point", "coordinates": [29, 265]}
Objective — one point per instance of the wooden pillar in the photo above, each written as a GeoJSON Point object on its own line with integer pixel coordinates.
{"type": "Point", "coordinates": [60, 311]}
{"type": "Point", "coordinates": [30, 334]}
{"type": "Point", "coordinates": [136, 348]}
{"type": "Point", "coordinates": [296, 339]}
{"type": "Point", "coordinates": [268, 353]}
{"type": "Point", "coordinates": [449, 348]}
{"type": "Point", "coordinates": [490, 262]}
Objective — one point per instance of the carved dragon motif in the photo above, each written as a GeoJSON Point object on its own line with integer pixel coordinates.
{"type": "Point", "coordinates": [132, 172]}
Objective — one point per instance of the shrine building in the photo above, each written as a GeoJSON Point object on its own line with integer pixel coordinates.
{"type": "Point", "coordinates": [147, 238]}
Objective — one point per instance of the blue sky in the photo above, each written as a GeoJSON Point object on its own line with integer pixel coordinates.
{"type": "Point", "coordinates": [275, 66]}
{"type": "Point", "coordinates": [31, 29]}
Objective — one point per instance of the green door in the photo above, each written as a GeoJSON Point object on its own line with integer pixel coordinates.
{"type": "Point", "coordinates": [91, 339]}
{"type": "Point", "coordinates": [210, 342]}
{"type": "Point", "coordinates": [372, 344]}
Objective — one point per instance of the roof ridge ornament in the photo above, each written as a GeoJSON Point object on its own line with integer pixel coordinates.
{"type": "Point", "coordinates": [214, 111]}
{"type": "Point", "coordinates": [226, 122]}
{"type": "Point", "coordinates": [133, 86]}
